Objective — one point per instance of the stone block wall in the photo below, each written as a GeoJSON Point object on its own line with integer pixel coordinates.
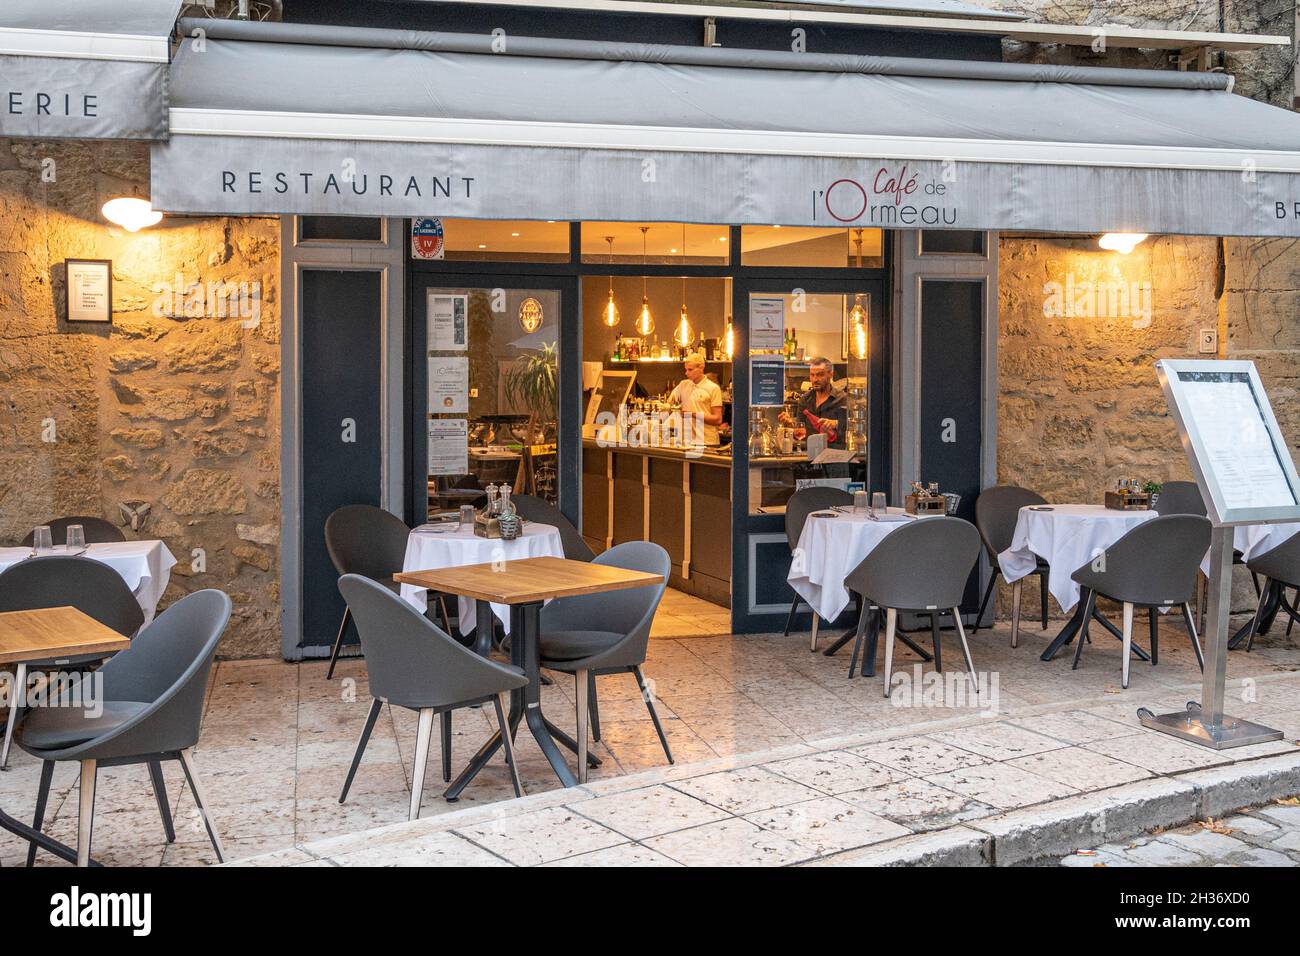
{"type": "Point", "coordinates": [174, 404]}
{"type": "Point", "coordinates": [1078, 401]}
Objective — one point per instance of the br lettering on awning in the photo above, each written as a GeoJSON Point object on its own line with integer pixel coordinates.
{"type": "Point", "coordinates": [82, 69]}
{"type": "Point", "coordinates": [440, 127]}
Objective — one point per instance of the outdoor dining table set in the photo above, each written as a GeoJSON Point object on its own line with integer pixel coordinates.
{"type": "Point", "coordinates": [1146, 560]}
{"type": "Point", "coordinates": [542, 597]}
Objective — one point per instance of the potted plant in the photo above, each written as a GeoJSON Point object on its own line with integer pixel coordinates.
{"type": "Point", "coordinates": [531, 384]}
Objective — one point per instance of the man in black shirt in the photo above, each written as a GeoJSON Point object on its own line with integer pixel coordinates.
{"type": "Point", "coordinates": [823, 408]}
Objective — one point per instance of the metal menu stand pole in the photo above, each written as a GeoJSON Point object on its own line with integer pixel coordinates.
{"type": "Point", "coordinates": [1231, 392]}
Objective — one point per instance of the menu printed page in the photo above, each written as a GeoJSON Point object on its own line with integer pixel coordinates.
{"type": "Point", "coordinates": [1237, 443]}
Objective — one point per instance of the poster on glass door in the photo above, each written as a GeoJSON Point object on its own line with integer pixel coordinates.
{"type": "Point", "coordinates": [448, 322]}
{"type": "Point", "coordinates": [766, 323]}
{"type": "Point", "coordinates": [448, 385]}
{"type": "Point", "coordinates": [448, 446]}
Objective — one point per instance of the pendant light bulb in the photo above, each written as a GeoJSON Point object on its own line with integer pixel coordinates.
{"type": "Point", "coordinates": [858, 327]}
{"type": "Point", "coordinates": [684, 333]}
{"type": "Point", "coordinates": [610, 314]}
{"type": "Point", "coordinates": [645, 322]}
{"type": "Point", "coordinates": [729, 340]}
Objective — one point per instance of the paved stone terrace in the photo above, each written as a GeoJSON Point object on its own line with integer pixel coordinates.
{"type": "Point", "coordinates": [781, 759]}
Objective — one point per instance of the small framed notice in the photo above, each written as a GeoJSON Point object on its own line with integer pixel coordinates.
{"type": "Point", "coordinates": [448, 322]}
{"type": "Point", "coordinates": [90, 290]}
{"type": "Point", "coordinates": [1242, 463]}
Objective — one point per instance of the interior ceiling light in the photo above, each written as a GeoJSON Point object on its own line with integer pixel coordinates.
{"type": "Point", "coordinates": [645, 322]}
{"type": "Point", "coordinates": [610, 314]}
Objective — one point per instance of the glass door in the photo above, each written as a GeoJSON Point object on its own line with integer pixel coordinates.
{"type": "Point", "coordinates": [486, 397]}
{"type": "Point", "coordinates": [809, 410]}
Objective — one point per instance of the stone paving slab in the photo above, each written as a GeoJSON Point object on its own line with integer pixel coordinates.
{"type": "Point", "coordinates": [953, 794]}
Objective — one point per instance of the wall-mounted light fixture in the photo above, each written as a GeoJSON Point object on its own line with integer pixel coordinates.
{"type": "Point", "coordinates": [131, 213]}
{"type": "Point", "coordinates": [1121, 242]}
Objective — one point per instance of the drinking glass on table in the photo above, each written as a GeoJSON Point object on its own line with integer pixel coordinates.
{"type": "Point", "coordinates": [42, 540]}
{"type": "Point", "coordinates": [879, 503]}
{"type": "Point", "coordinates": [860, 503]}
{"type": "Point", "coordinates": [466, 518]}
{"type": "Point", "coordinates": [76, 537]}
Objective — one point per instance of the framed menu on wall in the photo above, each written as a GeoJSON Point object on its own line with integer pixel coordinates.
{"type": "Point", "coordinates": [1242, 462]}
{"type": "Point", "coordinates": [90, 290]}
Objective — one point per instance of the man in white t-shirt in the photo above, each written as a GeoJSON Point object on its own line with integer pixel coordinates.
{"type": "Point", "coordinates": [700, 397]}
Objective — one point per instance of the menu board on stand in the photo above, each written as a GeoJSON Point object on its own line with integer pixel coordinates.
{"type": "Point", "coordinates": [1246, 476]}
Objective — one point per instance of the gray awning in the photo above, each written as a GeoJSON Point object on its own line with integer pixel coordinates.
{"type": "Point", "coordinates": [85, 69]}
{"type": "Point", "coordinates": [438, 124]}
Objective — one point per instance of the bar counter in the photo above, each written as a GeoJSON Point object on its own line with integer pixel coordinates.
{"type": "Point", "coordinates": [681, 502]}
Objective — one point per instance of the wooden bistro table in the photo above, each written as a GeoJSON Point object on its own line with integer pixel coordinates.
{"type": "Point", "coordinates": [524, 585]}
{"type": "Point", "coordinates": [49, 634]}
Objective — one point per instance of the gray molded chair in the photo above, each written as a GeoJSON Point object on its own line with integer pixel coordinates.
{"type": "Point", "coordinates": [98, 531]}
{"type": "Point", "coordinates": [532, 508]}
{"type": "Point", "coordinates": [153, 704]}
{"type": "Point", "coordinates": [365, 540]}
{"type": "Point", "coordinates": [1184, 498]}
{"type": "Point", "coordinates": [1280, 564]}
{"type": "Point", "coordinates": [91, 587]}
{"type": "Point", "coordinates": [921, 567]}
{"type": "Point", "coordinates": [996, 511]}
{"type": "Point", "coordinates": [1152, 566]}
{"type": "Point", "coordinates": [606, 633]}
{"type": "Point", "coordinates": [801, 504]}
{"type": "Point", "coordinates": [412, 663]}
{"type": "Point", "coordinates": [1180, 498]}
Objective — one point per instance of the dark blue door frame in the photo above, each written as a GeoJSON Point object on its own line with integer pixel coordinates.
{"type": "Point", "coordinates": [747, 527]}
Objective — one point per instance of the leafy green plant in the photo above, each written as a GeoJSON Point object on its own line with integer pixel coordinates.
{"type": "Point", "coordinates": [532, 383]}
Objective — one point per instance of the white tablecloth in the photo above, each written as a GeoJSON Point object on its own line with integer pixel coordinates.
{"type": "Point", "coordinates": [1068, 537]}
{"type": "Point", "coordinates": [426, 550]}
{"type": "Point", "coordinates": [829, 548]}
{"type": "Point", "coordinates": [1253, 540]}
{"type": "Point", "coordinates": [145, 566]}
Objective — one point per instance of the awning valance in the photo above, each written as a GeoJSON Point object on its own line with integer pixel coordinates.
{"type": "Point", "coordinates": [85, 69]}
{"type": "Point", "coordinates": [436, 124]}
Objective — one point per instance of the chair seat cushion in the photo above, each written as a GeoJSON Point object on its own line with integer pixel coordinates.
{"type": "Point", "coordinates": [55, 728]}
{"type": "Point", "coordinates": [575, 645]}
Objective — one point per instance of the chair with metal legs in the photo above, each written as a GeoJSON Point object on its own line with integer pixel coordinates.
{"type": "Point", "coordinates": [1280, 569]}
{"type": "Point", "coordinates": [594, 635]}
{"type": "Point", "coordinates": [801, 504]}
{"type": "Point", "coordinates": [532, 508]}
{"type": "Point", "coordinates": [1184, 498]}
{"type": "Point", "coordinates": [97, 530]}
{"type": "Point", "coordinates": [1152, 566]}
{"type": "Point", "coordinates": [996, 511]}
{"type": "Point", "coordinates": [412, 663]}
{"type": "Point", "coordinates": [90, 586]}
{"type": "Point", "coordinates": [922, 567]}
{"type": "Point", "coordinates": [152, 698]}
{"type": "Point", "coordinates": [363, 539]}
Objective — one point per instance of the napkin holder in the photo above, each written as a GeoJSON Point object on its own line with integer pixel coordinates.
{"type": "Point", "coordinates": [1128, 500]}
{"type": "Point", "coordinates": [486, 527]}
{"type": "Point", "coordinates": [925, 504]}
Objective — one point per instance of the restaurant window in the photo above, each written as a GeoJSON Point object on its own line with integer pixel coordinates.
{"type": "Point", "coordinates": [340, 229]}
{"type": "Point", "coordinates": [492, 385]}
{"type": "Point", "coordinates": [952, 242]}
{"type": "Point", "coordinates": [506, 240]}
{"type": "Point", "coordinates": [812, 247]}
{"type": "Point", "coordinates": [656, 243]}
{"type": "Point", "coordinates": [790, 424]}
